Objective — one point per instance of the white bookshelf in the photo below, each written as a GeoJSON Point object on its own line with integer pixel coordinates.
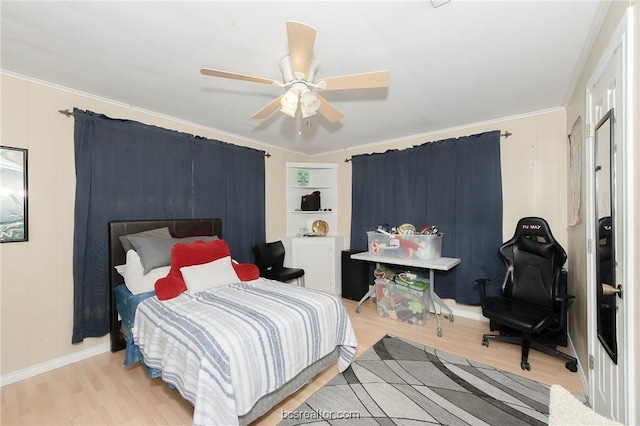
{"type": "Point", "coordinates": [323, 177]}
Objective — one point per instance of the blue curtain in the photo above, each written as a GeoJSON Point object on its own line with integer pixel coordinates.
{"type": "Point", "coordinates": [126, 170]}
{"type": "Point", "coordinates": [454, 184]}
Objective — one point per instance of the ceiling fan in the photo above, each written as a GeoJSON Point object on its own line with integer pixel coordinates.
{"type": "Point", "coordinates": [298, 78]}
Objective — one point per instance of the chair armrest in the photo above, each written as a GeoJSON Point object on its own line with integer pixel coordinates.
{"type": "Point", "coordinates": [564, 300]}
{"type": "Point", "coordinates": [482, 282]}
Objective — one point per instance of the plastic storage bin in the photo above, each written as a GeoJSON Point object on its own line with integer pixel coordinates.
{"type": "Point", "coordinates": [422, 247]}
{"type": "Point", "coordinates": [402, 303]}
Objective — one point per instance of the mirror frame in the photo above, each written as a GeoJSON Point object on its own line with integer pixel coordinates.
{"type": "Point", "coordinates": [610, 343]}
{"type": "Point", "coordinates": [13, 195]}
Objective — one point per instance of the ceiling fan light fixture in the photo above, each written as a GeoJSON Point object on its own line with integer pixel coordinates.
{"type": "Point", "coordinates": [307, 114]}
{"type": "Point", "coordinates": [309, 103]}
{"type": "Point", "coordinates": [289, 102]}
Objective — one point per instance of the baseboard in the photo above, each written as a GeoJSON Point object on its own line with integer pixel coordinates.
{"type": "Point", "coordinates": [463, 313]}
{"type": "Point", "coordinates": [582, 373]}
{"type": "Point", "coordinates": [43, 367]}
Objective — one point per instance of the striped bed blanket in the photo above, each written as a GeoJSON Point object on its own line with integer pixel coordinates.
{"type": "Point", "coordinates": [226, 347]}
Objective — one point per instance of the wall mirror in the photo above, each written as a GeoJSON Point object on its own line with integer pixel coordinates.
{"type": "Point", "coordinates": [13, 195]}
{"type": "Point", "coordinates": [605, 253]}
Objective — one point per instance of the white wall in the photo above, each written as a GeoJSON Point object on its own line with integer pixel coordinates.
{"type": "Point", "coordinates": [36, 278]}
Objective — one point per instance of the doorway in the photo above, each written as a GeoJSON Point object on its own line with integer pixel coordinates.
{"type": "Point", "coordinates": [610, 227]}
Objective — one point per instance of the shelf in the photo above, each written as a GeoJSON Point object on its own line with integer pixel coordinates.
{"type": "Point", "coordinates": [311, 187]}
{"type": "Point", "coordinates": [311, 212]}
{"type": "Point", "coordinates": [323, 177]}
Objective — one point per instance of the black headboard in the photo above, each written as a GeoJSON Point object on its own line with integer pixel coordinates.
{"type": "Point", "coordinates": [117, 255]}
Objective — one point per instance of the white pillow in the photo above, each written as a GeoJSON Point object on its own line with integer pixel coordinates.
{"type": "Point", "coordinates": [209, 275]}
{"type": "Point", "coordinates": [136, 280]}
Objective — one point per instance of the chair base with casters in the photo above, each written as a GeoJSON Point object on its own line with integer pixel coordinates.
{"type": "Point", "coordinates": [531, 307]}
{"type": "Point", "coordinates": [527, 342]}
{"type": "Point", "coordinates": [541, 338]}
{"type": "Point", "coordinates": [270, 261]}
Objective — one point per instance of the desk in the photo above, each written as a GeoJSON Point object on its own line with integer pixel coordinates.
{"type": "Point", "coordinates": [440, 264]}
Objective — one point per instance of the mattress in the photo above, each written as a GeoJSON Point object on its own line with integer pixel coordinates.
{"type": "Point", "coordinates": [226, 348]}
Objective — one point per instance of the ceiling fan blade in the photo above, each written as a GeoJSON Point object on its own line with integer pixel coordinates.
{"type": "Point", "coordinates": [268, 110]}
{"type": "Point", "coordinates": [328, 111]}
{"type": "Point", "coordinates": [236, 76]}
{"type": "Point", "coordinates": [301, 37]}
{"type": "Point", "coordinates": [357, 81]}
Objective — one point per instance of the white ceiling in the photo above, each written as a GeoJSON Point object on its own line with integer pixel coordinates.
{"type": "Point", "coordinates": [460, 63]}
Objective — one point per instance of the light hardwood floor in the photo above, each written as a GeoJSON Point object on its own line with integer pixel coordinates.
{"type": "Point", "coordinates": [101, 391]}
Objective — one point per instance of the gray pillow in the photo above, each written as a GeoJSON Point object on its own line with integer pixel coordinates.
{"type": "Point", "coordinates": [156, 252]}
{"type": "Point", "coordinates": [152, 233]}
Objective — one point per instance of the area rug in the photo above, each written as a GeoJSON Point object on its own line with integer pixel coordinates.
{"type": "Point", "coordinates": [566, 409]}
{"type": "Point", "coordinates": [398, 382]}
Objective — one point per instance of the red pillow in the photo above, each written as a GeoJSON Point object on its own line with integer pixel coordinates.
{"type": "Point", "coordinates": [169, 287]}
{"type": "Point", "coordinates": [246, 271]}
{"type": "Point", "coordinates": [197, 253]}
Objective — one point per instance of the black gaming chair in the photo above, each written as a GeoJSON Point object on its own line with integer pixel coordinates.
{"type": "Point", "coordinates": [532, 308]}
{"type": "Point", "coordinates": [270, 261]}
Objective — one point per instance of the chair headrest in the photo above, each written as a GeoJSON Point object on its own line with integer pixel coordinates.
{"type": "Point", "coordinates": [604, 227]}
{"type": "Point", "coordinates": [530, 245]}
{"type": "Point", "coordinates": [533, 235]}
{"type": "Point", "coordinates": [605, 243]}
{"type": "Point", "coordinates": [535, 227]}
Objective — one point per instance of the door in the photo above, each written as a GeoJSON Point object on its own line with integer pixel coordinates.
{"type": "Point", "coordinates": [607, 98]}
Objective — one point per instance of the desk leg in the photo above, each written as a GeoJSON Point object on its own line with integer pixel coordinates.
{"type": "Point", "coordinates": [436, 299]}
{"type": "Point", "coordinates": [370, 293]}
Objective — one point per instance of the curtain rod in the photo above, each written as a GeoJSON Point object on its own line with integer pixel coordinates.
{"type": "Point", "coordinates": [70, 114]}
{"type": "Point", "coordinates": [505, 135]}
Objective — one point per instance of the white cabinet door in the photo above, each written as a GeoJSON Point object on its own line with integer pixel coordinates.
{"type": "Point", "coordinates": [319, 257]}
{"type": "Point", "coordinates": [316, 260]}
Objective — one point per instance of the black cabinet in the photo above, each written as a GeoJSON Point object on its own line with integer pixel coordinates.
{"type": "Point", "coordinates": [356, 276]}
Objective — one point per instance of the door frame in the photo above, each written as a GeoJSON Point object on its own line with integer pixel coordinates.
{"type": "Point", "coordinates": [627, 229]}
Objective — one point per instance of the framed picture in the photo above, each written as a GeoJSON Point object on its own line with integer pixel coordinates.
{"type": "Point", "coordinates": [13, 195]}
{"type": "Point", "coordinates": [302, 177]}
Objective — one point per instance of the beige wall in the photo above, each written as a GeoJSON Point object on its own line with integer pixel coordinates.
{"type": "Point", "coordinates": [533, 174]}
{"type": "Point", "coordinates": [533, 168]}
{"type": "Point", "coordinates": [36, 278]}
{"type": "Point", "coordinates": [36, 292]}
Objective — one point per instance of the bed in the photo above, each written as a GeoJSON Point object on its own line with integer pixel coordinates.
{"type": "Point", "coordinates": [261, 341]}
